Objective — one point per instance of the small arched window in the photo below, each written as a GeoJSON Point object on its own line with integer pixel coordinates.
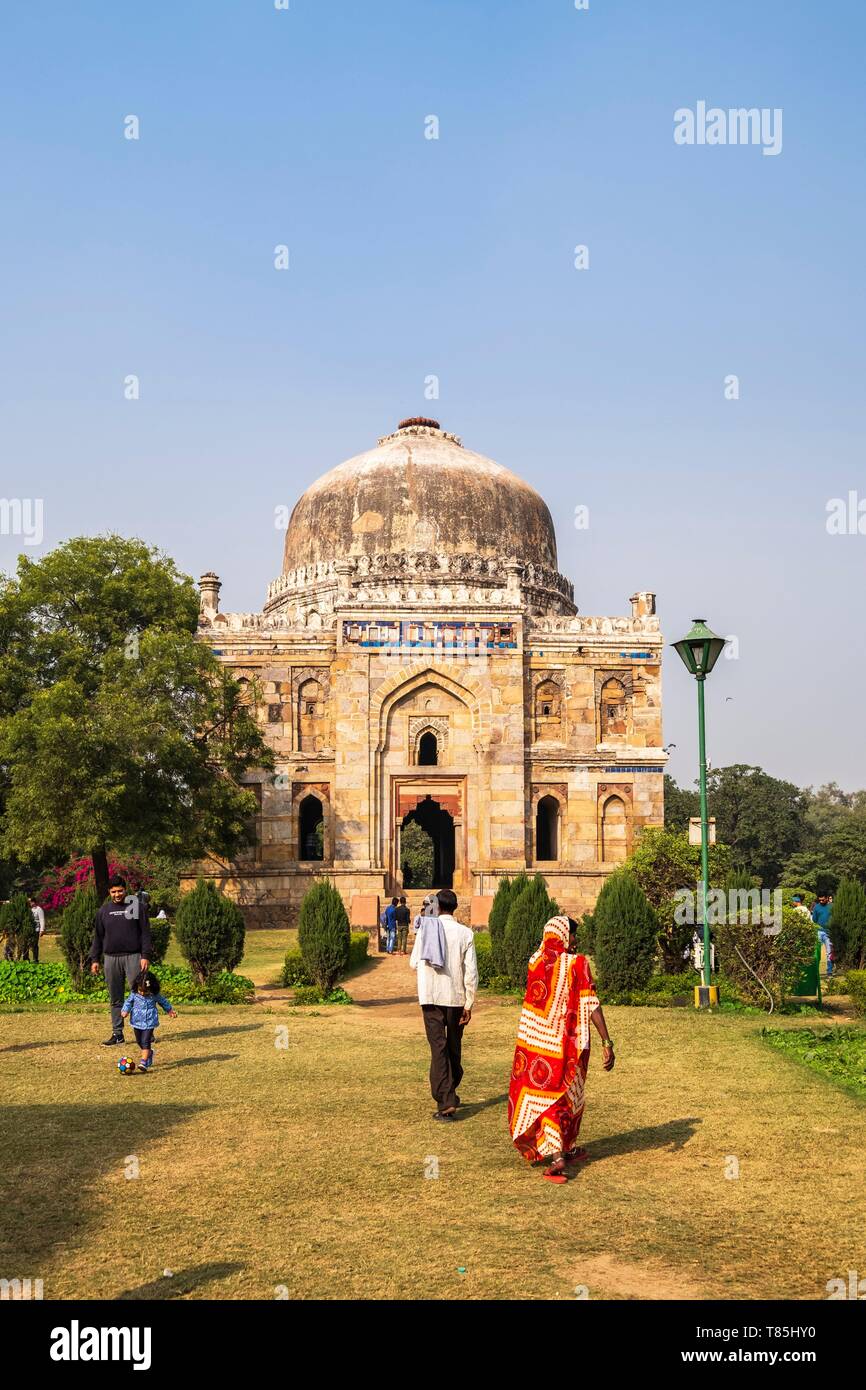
{"type": "Point", "coordinates": [614, 831]}
{"type": "Point", "coordinates": [547, 712]}
{"type": "Point", "coordinates": [311, 829]}
{"type": "Point", "coordinates": [428, 750]}
{"type": "Point", "coordinates": [547, 829]}
{"type": "Point", "coordinates": [311, 717]}
{"type": "Point", "coordinates": [613, 713]}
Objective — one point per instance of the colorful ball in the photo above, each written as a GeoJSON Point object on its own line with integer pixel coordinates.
{"type": "Point", "coordinates": [126, 1065]}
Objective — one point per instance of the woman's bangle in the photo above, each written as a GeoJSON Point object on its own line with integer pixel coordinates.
{"type": "Point", "coordinates": [607, 1044]}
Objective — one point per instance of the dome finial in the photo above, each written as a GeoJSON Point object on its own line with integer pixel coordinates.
{"type": "Point", "coordinates": [418, 420]}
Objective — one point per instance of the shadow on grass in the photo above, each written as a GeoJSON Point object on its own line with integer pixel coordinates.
{"type": "Point", "coordinates": [54, 1160]}
{"type": "Point", "coordinates": [180, 1035]}
{"type": "Point", "coordinates": [475, 1107]}
{"type": "Point", "coordinates": [180, 1283]}
{"type": "Point", "coordinates": [672, 1136]}
{"type": "Point", "coordinates": [25, 1047]}
{"type": "Point", "coordinates": [198, 1061]}
{"type": "Point", "coordinates": [382, 1003]}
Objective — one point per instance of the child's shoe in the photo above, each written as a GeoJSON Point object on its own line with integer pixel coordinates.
{"type": "Point", "coordinates": [146, 1066]}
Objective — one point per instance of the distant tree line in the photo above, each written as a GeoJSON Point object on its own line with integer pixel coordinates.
{"type": "Point", "coordinates": [778, 832]}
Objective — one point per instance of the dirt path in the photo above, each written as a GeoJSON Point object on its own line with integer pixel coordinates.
{"type": "Point", "coordinates": [385, 984]}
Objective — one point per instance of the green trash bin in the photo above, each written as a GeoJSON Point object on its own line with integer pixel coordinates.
{"type": "Point", "coordinates": [810, 981]}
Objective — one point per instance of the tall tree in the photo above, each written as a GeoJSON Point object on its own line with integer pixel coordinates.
{"type": "Point", "coordinates": [760, 817]}
{"type": "Point", "coordinates": [680, 804]}
{"type": "Point", "coordinates": [118, 727]}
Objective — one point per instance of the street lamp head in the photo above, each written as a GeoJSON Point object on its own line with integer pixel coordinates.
{"type": "Point", "coordinates": [700, 649]}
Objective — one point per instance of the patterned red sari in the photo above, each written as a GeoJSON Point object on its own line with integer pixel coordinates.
{"type": "Point", "coordinates": [546, 1097]}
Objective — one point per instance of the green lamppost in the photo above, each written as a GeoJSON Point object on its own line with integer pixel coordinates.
{"type": "Point", "coordinates": [700, 650]}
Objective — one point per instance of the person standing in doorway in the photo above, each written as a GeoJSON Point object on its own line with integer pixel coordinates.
{"type": "Point", "coordinates": [402, 919]}
{"type": "Point", "coordinates": [444, 957]}
{"type": "Point", "coordinates": [121, 935]}
{"type": "Point", "coordinates": [391, 926]}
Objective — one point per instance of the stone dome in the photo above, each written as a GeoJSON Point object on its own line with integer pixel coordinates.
{"type": "Point", "coordinates": [419, 492]}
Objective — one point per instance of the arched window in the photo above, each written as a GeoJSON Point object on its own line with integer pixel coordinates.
{"type": "Point", "coordinates": [613, 712]}
{"type": "Point", "coordinates": [311, 712]}
{"type": "Point", "coordinates": [547, 711]}
{"type": "Point", "coordinates": [311, 829]}
{"type": "Point", "coordinates": [428, 750]}
{"type": "Point", "coordinates": [614, 830]}
{"type": "Point", "coordinates": [547, 828]}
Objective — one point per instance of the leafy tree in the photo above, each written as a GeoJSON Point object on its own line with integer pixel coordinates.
{"type": "Point", "coordinates": [118, 727]}
{"type": "Point", "coordinates": [663, 862]}
{"type": "Point", "coordinates": [17, 927]}
{"type": "Point", "coordinates": [680, 805]}
{"type": "Point", "coordinates": [416, 856]}
{"type": "Point", "coordinates": [507, 890]}
{"type": "Point", "coordinates": [760, 817]}
{"type": "Point", "coordinates": [324, 935]}
{"type": "Point", "coordinates": [847, 929]}
{"type": "Point", "coordinates": [530, 908]}
{"type": "Point", "coordinates": [210, 930]}
{"type": "Point", "coordinates": [76, 932]}
{"type": "Point", "coordinates": [626, 928]}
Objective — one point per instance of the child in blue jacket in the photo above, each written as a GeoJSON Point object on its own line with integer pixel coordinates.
{"type": "Point", "coordinates": [141, 1005]}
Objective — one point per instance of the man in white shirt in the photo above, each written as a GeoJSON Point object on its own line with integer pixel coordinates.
{"type": "Point", "coordinates": [446, 994]}
{"type": "Point", "coordinates": [38, 915]}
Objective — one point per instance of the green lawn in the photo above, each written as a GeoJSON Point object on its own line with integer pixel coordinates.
{"type": "Point", "coordinates": [262, 960]}
{"type": "Point", "coordinates": [310, 1167]}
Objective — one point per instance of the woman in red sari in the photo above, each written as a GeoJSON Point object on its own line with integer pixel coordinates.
{"type": "Point", "coordinates": [545, 1101]}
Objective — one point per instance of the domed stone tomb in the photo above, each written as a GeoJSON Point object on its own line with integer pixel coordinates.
{"type": "Point", "coordinates": [438, 710]}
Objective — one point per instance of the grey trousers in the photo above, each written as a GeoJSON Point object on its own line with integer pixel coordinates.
{"type": "Point", "coordinates": [120, 971]}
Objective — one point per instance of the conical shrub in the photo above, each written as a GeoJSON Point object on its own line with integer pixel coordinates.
{"type": "Point", "coordinates": [76, 932]}
{"type": "Point", "coordinates": [323, 935]}
{"type": "Point", "coordinates": [507, 891]}
{"type": "Point", "coordinates": [847, 929]}
{"type": "Point", "coordinates": [529, 910]}
{"type": "Point", "coordinates": [210, 930]}
{"type": "Point", "coordinates": [17, 927]}
{"type": "Point", "coordinates": [626, 931]}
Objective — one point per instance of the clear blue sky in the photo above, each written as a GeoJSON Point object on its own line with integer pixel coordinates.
{"type": "Point", "coordinates": [454, 257]}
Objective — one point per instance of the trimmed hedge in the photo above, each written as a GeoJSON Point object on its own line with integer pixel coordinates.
{"type": "Point", "coordinates": [855, 981]}
{"type": "Point", "coordinates": [23, 982]}
{"type": "Point", "coordinates": [295, 974]}
{"type": "Point", "coordinates": [766, 967]}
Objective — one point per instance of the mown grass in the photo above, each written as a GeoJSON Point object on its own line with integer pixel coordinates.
{"type": "Point", "coordinates": [311, 1166]}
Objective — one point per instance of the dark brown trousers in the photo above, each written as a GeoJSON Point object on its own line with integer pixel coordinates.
{"type": "Point", "coordinates": [445, 1036]}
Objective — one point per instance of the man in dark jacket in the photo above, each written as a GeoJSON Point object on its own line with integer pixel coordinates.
{"type": "Point", "coordinates": [121, 935]}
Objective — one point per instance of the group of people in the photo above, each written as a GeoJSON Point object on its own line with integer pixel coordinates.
{"type": "Point", "coordinates": [394, 922]}
{"type": "Point", "coordinates": [122, 941]}
{"type": "Point", "coordinates": [551, 1056]}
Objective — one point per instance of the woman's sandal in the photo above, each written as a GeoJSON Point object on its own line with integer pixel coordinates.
{"type": "Point", "coordinates": [556, 1172]}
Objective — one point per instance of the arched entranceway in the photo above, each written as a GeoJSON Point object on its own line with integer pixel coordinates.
{"type": "Point", "coordinates": [439, 825]}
